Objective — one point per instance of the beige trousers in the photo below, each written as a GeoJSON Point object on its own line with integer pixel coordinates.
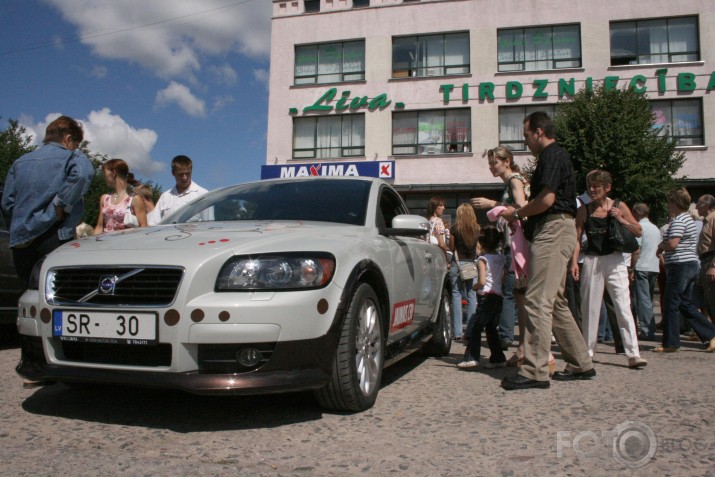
{"type": "Point", "coordinates": [547, 309]}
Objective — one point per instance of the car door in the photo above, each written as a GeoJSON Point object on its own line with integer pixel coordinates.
{"type": "Point", "coordinates": [9, 282]}
{"type": "Point", "coordinates": [409, 283]}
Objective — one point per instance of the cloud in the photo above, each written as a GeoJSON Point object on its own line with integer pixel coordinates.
{"type": "Point", "coordinates": [224, 74]}
{"type": "Point", "coordinates": [170, 38]}
{"type": "Point", "coordinates": [261, 76]}
{"type": "Point", "coordinates": [182, 96]}
{"type": "Point", "coordinates": [109, 134]}
{"type": "Point", "coordinates": [221, 102]}
{"type": "Point", "coordinates": [99, 72]}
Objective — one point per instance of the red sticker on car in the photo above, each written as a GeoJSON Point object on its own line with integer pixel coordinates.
{"type": "Point", "coordinates": [402, 315]}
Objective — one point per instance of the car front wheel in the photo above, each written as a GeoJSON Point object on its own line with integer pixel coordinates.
{"type": "Point", "coordinates": [360, 356]}
{"type": "Point", "coordinates": [441, 342]}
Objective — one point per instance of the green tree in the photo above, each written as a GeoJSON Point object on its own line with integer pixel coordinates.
{"type": "Point", "coordinates": [615, 131]}
{"type": "Point", "coordinates": [14, 142]}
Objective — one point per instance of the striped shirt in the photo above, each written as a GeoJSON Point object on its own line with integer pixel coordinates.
{"type": "Point", "coordinates": [682, 226]}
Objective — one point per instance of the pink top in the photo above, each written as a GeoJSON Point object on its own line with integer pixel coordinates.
{"type": "Point", "coordinates": [113, 215]}
{"type": "Point", "coordinates": [520, 250]}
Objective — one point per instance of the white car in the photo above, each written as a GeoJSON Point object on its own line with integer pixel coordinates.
{"type": "Point", "coordinates": [297, 284]}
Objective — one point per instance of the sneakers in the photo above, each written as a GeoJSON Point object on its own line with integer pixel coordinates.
{"type": "Point", "coordinates": [467, 364]}
{"type": "Point", "coordinates": [500, 364]}
{"type": "Point", "coordinates": [636, 362]}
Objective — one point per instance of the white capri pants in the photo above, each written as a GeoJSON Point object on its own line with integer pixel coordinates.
{"type": "Point", "coordinates": [609, 271]}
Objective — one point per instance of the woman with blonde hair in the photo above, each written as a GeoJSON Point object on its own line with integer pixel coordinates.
{"type": "Point", "coordinates": [463, 245]}
{"type": "Point", "coordinates": [115, 206]}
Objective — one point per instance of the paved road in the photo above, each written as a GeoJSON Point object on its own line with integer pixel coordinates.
{"type": "Point", "coordinates": [430, 420]}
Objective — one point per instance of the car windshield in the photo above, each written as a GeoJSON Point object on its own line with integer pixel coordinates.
{"type": "Point", "coordinates": [325, 200]}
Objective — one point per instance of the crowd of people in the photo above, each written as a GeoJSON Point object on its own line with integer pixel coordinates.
{"type": "Point", "coordinates": [552, 262]}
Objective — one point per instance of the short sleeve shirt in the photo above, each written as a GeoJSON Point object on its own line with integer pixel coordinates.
{"type": "Point", "coordinates": [555, 171]}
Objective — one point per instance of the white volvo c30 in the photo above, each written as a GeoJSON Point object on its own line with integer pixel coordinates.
{"type": "Point", "coordinates": [297, 284]}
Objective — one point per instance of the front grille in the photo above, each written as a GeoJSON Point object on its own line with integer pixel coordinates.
{"type": "Point", "coordinates": [137, 286]}
{"type": "Point", "coordinates": [118, 354]}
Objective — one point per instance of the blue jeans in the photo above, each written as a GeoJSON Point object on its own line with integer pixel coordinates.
{"type": "Point", "coordinates": [458, 287]}
{"type": "Point", "coordinates": [508, 311]}
{"type": "Point", "coordinates": [679, 281]}
{"type": "Point", "coordinates": [644, 285]}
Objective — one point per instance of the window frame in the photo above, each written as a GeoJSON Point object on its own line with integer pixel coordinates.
{"type": "Point", "coordinates": [344, 76]}
{"type": "Point", "coordinates": [418, 70]}
{"type": "Point", "coordinates": [311, 6]}
{"type": "Point", "coordinates": [315, 149]}
{"type": "Point", "coordinates": [431, 148]}
{"type": "Point", "coordinates": [554, 61]}
{"type": "Point", "coordinates": [677, 138]}
{"type": "Point", "coordinates": [639, 54]}
{"type": "Point", "coordinates": [550, 109]}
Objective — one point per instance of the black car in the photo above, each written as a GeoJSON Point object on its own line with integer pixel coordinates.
{"type": "Point", "coordinates": [10, 290]}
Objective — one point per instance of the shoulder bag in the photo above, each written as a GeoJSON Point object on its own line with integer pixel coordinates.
{"type": "Point", "coordinates": [467, 270]}
{"type": "Point", "coordinates": [619, 237]}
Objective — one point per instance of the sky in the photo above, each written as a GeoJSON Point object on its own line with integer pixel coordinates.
{"type": "Point", "coordinates": [148, 80]}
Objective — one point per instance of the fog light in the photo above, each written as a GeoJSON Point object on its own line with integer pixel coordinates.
{"type": "Point", "coordinates": [248, 357]}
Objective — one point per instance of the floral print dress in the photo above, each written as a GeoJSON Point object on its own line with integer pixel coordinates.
{"type": "Point", "coordinates": [113, 215]}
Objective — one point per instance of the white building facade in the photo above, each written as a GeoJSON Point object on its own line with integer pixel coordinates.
{"type": "Point", "coordinates": [416, 91]}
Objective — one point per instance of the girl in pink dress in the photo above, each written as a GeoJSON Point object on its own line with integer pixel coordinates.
{"type": "Point", "coordinates": [114, 206]}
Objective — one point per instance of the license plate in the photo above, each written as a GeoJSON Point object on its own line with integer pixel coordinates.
{"type": "Point", "coordinates": [105, 327]}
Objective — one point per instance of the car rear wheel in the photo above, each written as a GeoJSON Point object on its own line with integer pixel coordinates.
{"type": "Point", "coordinates": [441, 342]}
{"type": "Point", "coordinates": [360, 356]}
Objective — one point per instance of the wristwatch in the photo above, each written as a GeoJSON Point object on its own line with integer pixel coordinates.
{"type": "Point", "coordinates": [516, 214]}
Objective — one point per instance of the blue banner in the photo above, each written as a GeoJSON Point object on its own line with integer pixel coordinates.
{"type": "Point", "coordinates": [380, 169]}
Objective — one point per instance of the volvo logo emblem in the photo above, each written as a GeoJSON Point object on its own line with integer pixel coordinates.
{"type": "Point", "coordinates": [107, 284]}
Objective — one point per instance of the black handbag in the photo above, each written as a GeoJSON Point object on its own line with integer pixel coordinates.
{"type": "Point", "coordinates": [619, 237]}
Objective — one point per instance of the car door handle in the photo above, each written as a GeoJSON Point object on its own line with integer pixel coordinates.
{"type": "Point", "coordinates": [428, 257]}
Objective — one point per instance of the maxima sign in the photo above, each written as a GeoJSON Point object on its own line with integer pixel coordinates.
{"type": "Point", "coordinates": [379, 169]}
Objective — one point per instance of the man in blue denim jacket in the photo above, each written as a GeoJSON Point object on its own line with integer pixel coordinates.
{"type": "Point", "coordinates": [43, 195]}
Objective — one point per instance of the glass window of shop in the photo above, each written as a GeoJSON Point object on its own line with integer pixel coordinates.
{"type": "Point", "coordinates": [539, 48]}
{"type": "Point", "coordinates": [430, 55]}
{"type": "Point", "coordinates": [330, 62]}
{"type": "Point", "coordinates": [663, 40]}
{"type": "Point", "coordinates": [329, 136]}
{"type": "Point", "coordinates": [442, 131]}
{"type": "Point", "coordinates": [511, 124]}
{"type": "Point", "coordinates": [679, 119]}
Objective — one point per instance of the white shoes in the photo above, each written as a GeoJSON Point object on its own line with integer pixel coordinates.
{"type": "Point", "coordinates": [467, 364]}
{"type": "Point", "coordinates": [636, 362]}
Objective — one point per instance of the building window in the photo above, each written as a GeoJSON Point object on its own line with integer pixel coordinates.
{"type": "Point", "coordinates": [430, 55]}
{"type": "Point", "coordinates": [665, 40]}
{"type": "Point", "coordinates": [431, 132]}
{"type": "Point", "coordinates": [330, 62]}
{"type": "Point", "coordinates": [680, 119]}
{"type": "Point", "coordinates": [312, 6]}
{"type": "Point", "coordinates": [511, 124]}
{"type": "Point", "coordinates": [361, 3]}
{"type": "Point", "coordinates": [539, 48]}
{"type": "Point", "coordinates": [329, 136]}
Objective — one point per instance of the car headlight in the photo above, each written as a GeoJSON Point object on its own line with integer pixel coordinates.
{"type": "Point", "coordinates": [289, 271]}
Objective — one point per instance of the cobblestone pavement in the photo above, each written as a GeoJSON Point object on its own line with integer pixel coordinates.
{"type": "Point", "coordinates": [430, 420]}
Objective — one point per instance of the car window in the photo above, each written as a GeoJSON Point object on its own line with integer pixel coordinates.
{"type": "Point", "coordinates": [391, 205]}
{"type": "Point", "coordinates": [340, 201]}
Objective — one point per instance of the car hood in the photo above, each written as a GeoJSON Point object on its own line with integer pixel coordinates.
{"type": "Point", "coordinates": [242, 236]}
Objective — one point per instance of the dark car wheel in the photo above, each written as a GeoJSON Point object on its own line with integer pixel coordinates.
{"type": "Point", "coordinates": [360, 356]}
{"type": "Point", "coordinates": [441, 342]}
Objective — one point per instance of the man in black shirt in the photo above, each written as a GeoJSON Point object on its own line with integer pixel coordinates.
{"type": "Point", "coordinates": [550, 213]}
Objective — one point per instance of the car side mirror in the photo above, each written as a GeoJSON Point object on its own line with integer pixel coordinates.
{"type": "Point", "coordinates": [407, 225]}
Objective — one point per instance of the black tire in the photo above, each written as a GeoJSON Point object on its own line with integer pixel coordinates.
{"type": "Point", "coordinates": [360, 356]}
{"type": "Point", "coordinates": [441, 342]}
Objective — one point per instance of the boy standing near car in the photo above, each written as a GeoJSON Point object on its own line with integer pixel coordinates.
{"type": "Point", "coordinates": [43, 195]}
{"type": "Point", "coordinates": [181, 194]}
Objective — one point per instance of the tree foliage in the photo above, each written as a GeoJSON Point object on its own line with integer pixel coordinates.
{"type": "Point", "coordinates": [615, 131]}
{"type": "Point", "coordinates": [14, 142]}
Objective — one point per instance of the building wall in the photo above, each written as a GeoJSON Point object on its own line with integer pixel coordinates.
{"type": "Point", "coordinates": [384, 19]}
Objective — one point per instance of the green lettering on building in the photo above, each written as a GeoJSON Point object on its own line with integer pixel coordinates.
{"type": "Point", "coordinates": [610, 82]}
{"type": "Point", "coordinates": [540, 85]}
{"type": "Point", "coordinates": [686, 82]}
{"type": "Point", "coordinates": [465, 92]}
{"type": "Point", "coordinates": [323, 103]}
{"type": "Point", "coordinates": [661, 79]}
{"type": "Point", "coordinates": [711, 84]}
{"type": "Point", "coordinates": [567, 87]}
{"type": "Point", "coordinates": [380, 101]}
{"type": "Point", "coordinates": [589, 84]}
{"type": "Point", "coordinates": [358, 102]}
{"type": "Point", "coordinates": [514, 89]}
{"type": "Point", "coordinates": [342, 106]}
{"type": "Point", "coordinates": [637, 84]}
{"type": "Point", "coordinates": [446, 90]}
{"type": "Point", "coordinates": [486, 90]}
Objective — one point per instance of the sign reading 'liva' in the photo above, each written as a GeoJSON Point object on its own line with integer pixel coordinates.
{"type": "Point", "coordinates": [323, 103]}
